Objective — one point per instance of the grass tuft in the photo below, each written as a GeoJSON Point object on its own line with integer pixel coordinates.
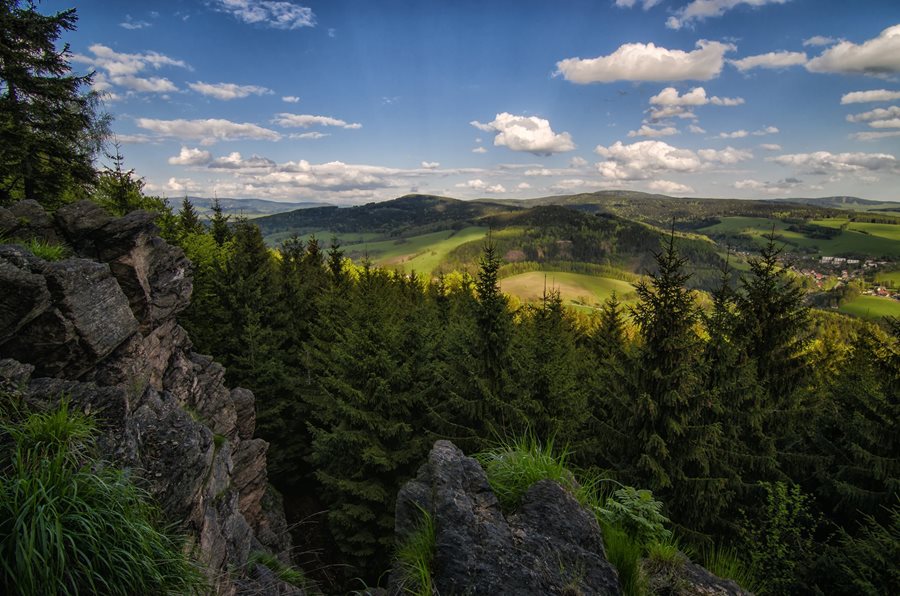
{"type": "Point", "coordinates": [71, 524]}
{"type": "Point", "coordinates": [625, 552]}
{"type": "Point", "coordinates": [286, 573]}
{"type": "Point", "coordinates": [725, 563]}
{"type": "Point", "coordinates": [414, 558]}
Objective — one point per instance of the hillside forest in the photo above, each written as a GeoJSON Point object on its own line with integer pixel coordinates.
{"type": "Point", "coordinates": [765, 426]}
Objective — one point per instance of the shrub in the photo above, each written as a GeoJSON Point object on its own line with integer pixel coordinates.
{"type": "Point", "coordinates": [637, 513]}
{"type": "Point", "coordinates": [414, 557]}
{"type": "Point", "coordinates": [70, 524]}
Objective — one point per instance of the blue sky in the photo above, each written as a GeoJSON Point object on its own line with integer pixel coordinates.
{"type": "Point", "coordinates": [354, 101]}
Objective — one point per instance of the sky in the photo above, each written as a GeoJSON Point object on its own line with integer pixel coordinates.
{"type": "Point", "coordinates": [353, 101]}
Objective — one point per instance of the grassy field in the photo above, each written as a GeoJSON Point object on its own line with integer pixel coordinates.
{"type": "Point", "coordinates": [573, 287]}
{"type": "Point", "coordinates": [889, 278]}
{"type": "Point", "coordinates": [864, 239]}
{"type": "Point", "coordinates": [420, 253]}
{"type": "Point", "coordinates": [872, 307]}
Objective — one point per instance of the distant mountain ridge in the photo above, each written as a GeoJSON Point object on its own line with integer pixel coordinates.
{"type": "Point", "coordinates": [254, 207]}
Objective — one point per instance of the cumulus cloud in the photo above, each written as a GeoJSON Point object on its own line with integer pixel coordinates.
{"type": "Point", "coordinates": [479, 184]}
{"type": "Point", "coordinates": [824, 162]}
{"type": "Point", "coordinates": [877, 57]}
{"type": "Point", "coordinates": [526, 133]}
{"type": "Point", "coordinates": [669, 187]}
{"type": "Point", "coordinates": [235, 161]}
{"type": "Point", "coordinates": [770, 60]}
{"type": "Point", "coordinates": [649, 131]}
{"type": "Point", "coordinates": [145, 84]}
{"type": "Point", "coordinates": [648, 62]}
{"type": "Point", "coordinates": [306, 120]}
{"type": "Point", "coordinates": [738, 134]}
{"type": "Point", "coordinates": [728, 155]}
{"type": "Point", "coordinates": [207, 131]}
{"type": "Point", "coordinates": [644, 159]}
{"type": "Point", "coordinates": [768, 130]}
{"type": "Point", "coordinates": [770, 147]}
{"type": "Point", "coordinates": [695, 97]}
{"type": "Point", "coordinates": [191, 157]}
{"type": "Point", "coordinates": [479, 150]}
{"type": "Point", "coordinates": [879, 118]}
{"type": "Point", "coordinates": [697, 10]}
{"type": "Point", "coordinates": [430, 165]}
{"type": "Point", "coordinates": [227, 91]}
{"type": "Point", "coordinates": [268, 13]}
{"type": "Point", "coordinates": [290, 99]}
{"type": "Point", "coordinates": [819, 40]}
{"type": "Point", "coordinates": [872, 96]}
{"type": "Point", "coordinates": [121, 69]}
{"type": "Point", "coordinates": [772, 188]}
{"type": "Point", "coordinates": [697, 130]}
{"type": "Point", "coordinates": [523, 186]}
{"type": "Point", "coordinates": [874, 136]}
{"type": "Point", "coordinates": [133, 24]}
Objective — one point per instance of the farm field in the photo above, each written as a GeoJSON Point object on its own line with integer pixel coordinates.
{"type": "Point", "coordinates": [889, 278]}
{"type": "Point", "coordinates": [866, 239]}
{"type": "Point", "coordinates": [419, 253]}
{"type": "Point", "coordinates": [872, 307]}
{"type": "Point", "coordinates": [573, 287]}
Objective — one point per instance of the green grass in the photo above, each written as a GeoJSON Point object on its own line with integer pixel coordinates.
{"type": "Point", "coordinates": [573, 287]}
{"type": "Point", "coordinates": [49, 251]}
{"type": "Point", "coordinates": [286, 573]}
{"type": "Point", "coordinates": [879, 239]}
{"type": "Point", "coordinates": [71, 524]}
{"type": "Point", "coordinates": [889, 278]}
{"type": "Point", "coordinates": [414, 558]}
{"type": "Point", "coordinates": [725, 563]}
{"type": "Point", "coordinates": [423, 253]}
{"type": "Point", "coordinates": [625, 553]}
{"type": "Point", "coordinates": [871, 307]}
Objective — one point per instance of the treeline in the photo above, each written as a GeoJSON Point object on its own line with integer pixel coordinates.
{"type": "Point", "coordinates": [759, 426]}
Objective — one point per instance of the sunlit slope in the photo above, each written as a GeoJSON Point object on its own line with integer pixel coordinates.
{"type": "Point", "coordinates": [577, 288]}
{"type": "Point", "coordinates": [423, 253]}
{"type": "Point", "coordinates": [871, 307]}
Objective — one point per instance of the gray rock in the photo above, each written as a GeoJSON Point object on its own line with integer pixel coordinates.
{"type": "Point", "coordinates": [32, 222]}
{"type": "Point", "coordinates": [245, 409]}
{"type": "Point", "coordinates": [80, 222]}
{"type": "Point", "coordinates": [551, 546]}
{"type": "Point", "coordinates": [25, 295]}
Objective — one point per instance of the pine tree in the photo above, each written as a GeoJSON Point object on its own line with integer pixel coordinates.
{"type": "Point", "coordinates": [50, 128]}
{"type": "Point", "coordinates": [219, 224]}
{"type": "Point", "coordinates": [188, 220]}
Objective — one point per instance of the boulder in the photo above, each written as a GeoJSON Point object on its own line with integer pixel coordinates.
{"type": "Point", "coordinates": [25, 295]}
{"type": "Point", "coordinates": [550, 546]}
{"type": "Point", "coordinates": [31, 221]}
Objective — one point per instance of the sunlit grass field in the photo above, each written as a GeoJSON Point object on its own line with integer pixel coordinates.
{"type": "Point", "coordinates": [872, 307]}
{"type": "Point", "coordinates": [574, 288]}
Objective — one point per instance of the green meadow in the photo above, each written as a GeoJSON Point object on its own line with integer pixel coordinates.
{"type": "Point", "coordinates": [872, 307]}
{"type": "Point", "coordinates": [422, 253]}
{"type": "Point", "coordinates": [863, 239]}
{"type": "Point", "coordinates": [573, 287]}
{"type": "Point", "coordinates": [889, 278]}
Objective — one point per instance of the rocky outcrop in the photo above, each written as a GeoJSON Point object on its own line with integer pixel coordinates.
{"type": "Point", "coordinates": [99, 328]}
{"type": "Point", "coordinates": [551, 545]}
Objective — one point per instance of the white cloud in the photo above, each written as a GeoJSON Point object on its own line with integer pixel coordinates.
{"type": "Point", "coordinates": [874, 136]}
{"type": "Point", "coordinates": [306, 120]}
{"type": "Point", "coordinates": [874, 95]}
{"type": "Point", "coordinates": [819, 40]}
{"type": "Point", "coordinates": [191, 157]}
{"type": "Point", "coordinates": [577, 162]}
{"type": "Point", "coordinates": [773, 188]}
{"type": "Point", "coordinates": [770, 147]}
{"type": "Point", "coordinates": [728, 155]}
{"type": "Point", "coordinates": [824, 162]}
{"type": "Point", "coordinates": [290, 99]}
{"type": "Point", "coordinates": [643, 159]}
{"type": "Point", "coordinates": [879, 118]}
{"type": "Point", "coordinates": [697, 10]}
{"type": "Point", "coordinates": [697, 130]}
{"type": "Point", "coordinates": [269, 13]}
{"type": "Point", "coordinates": [430, 165]}
{"type": "Point", "coordinates": [665, 112]}
{"type": "Point", "coordinates": [669, 187]}
{"type": "Point", "coordinates": [571, 184]}
{"type": "Point", "coordinates": [235, 161]}
{"type": "Point", "coordinates": [122, 69]}
{"type": "Point", "coordinates": [695, 97]}
{"type": "Point", "coordinates": [132, 24]}
{"type": "Point", "coordinates": [137, 139]}
{"type": "Point", "coordinates": [227, 91]}
{"type": "Point", "coordinates": [649, 131]}
{"type": "Point", "coordinates": [207, 131]}
{"type": "Point", "coordinates": [479, 150]}
{"type": "Point", "coordinates": [768, 130]}
{"type": "Point", "coordinates": [523, 186]}
{"type": "Point", "coordinates": [309, 135]}
{"type": "Point", "coordinates": [540, 172]}
{"type": "Point", "coordinates": [878, 57]}
{"type": "Point", "coordinates": [738, 134]}
{"type": "Point", "coordinates": [645, 4]}
{"type": "Point", "coordinates": [479, 184]}
{"type": "Point", "coordinates": [771, 60]}
{"type": "Point", "coordinates": [647, 62]}
{"type": "Point", "coordinates": [526, 133]}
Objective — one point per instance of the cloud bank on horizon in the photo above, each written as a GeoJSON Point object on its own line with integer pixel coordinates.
{"type": "Point", "coordinates": [348, 103]}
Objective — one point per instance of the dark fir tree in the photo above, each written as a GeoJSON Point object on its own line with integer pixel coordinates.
{"type": "Point", "coordinates": [50, 124]}
{"type": "Point", "coordinates": [218, 224]}
{"type": "Point", "coordinates": [188, 220]}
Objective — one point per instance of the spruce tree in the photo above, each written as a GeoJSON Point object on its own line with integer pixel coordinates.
{"type": "Point", "coordinates": [50, 124]}
{"type": "Point", "coordinates": [219, 224]}
{"type": "Point", "coordinates": [188, 220]}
